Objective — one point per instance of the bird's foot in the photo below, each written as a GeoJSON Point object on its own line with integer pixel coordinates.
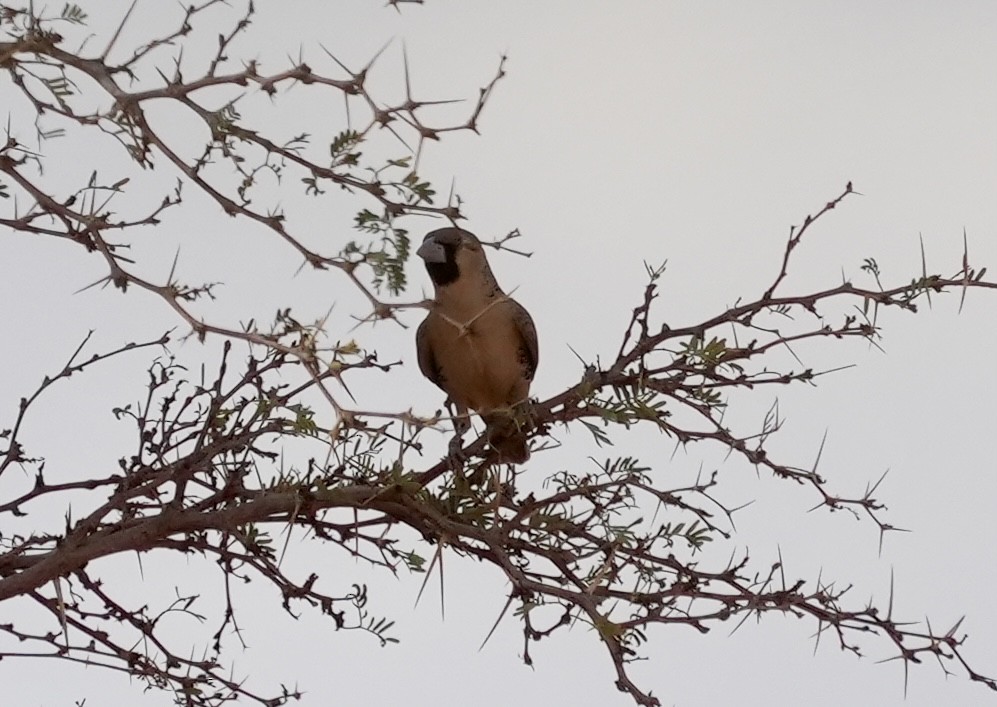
{"type": "Point", "coordinates": [455, 454]}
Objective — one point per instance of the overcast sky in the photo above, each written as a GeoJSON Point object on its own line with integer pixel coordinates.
{"type": "Point", "coordinates": [624, 132]}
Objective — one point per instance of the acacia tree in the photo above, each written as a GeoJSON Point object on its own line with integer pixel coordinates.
{"type": "Point", "coordinates": [615, 548]}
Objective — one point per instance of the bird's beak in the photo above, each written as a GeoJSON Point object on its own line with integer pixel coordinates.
{"type": "Point", "coordinates": [432, 252]}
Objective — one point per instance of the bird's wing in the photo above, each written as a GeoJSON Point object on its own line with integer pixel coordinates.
{"type": "Point", "coordinates": [528, 332]}
{"type": "Point", "coordinates": [427, 360]}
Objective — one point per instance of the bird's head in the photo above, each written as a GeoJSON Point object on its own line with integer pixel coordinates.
{"type": "Point", "coordinates": [450, 253]}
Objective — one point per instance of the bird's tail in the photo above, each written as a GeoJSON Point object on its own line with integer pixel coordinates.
{"type": "Point", "coordinates": [507, 435]}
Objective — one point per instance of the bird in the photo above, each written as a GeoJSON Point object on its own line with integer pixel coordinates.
{"type": "Point", "coordinates": [477, 344]}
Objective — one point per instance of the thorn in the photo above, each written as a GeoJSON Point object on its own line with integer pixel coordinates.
{"type": "Point", "coordinates": [117, 32]}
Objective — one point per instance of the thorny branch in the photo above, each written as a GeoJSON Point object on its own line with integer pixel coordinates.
{"type": "Point", "coordinates": [47, 75]}
{"type": "Point", "coordinates": [223, 466]}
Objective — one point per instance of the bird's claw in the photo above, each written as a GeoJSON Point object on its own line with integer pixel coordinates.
{"type": "Point", "coordinates": [455, 454]}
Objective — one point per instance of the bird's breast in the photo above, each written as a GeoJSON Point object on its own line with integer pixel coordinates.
{"type": "Point", "coordinates": [481, 364]}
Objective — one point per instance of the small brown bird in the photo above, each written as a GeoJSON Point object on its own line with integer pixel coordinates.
{"type": "Point", "coordinates": [477, 344]}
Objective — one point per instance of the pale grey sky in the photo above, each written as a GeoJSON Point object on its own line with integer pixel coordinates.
{"type": "Point", "coordinates": [624, 132]}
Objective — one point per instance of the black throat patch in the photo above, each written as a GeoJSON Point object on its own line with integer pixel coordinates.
{"type": "Point", "coordinates": [446, 272]}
